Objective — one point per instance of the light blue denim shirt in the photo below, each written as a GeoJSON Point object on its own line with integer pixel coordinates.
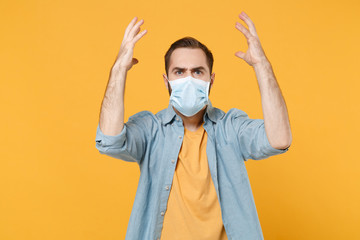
{"type": "Point", "coordinates": [154, 142]}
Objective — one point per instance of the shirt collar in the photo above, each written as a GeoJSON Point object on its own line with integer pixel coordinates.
{"type": "Point", "coordinates": [168, 114]}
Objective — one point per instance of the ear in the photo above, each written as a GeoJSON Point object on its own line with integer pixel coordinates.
{"type": "Point", "coordinates": [212, 79]}
{"type": "Point", "coordinates": [166, 81]}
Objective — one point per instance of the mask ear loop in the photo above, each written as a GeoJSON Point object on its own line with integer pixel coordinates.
{"type": "Point", "coordinates": [168, 85]}
{"type": "Point", "coordinates": [207, 93]}
{"type": "Point", "coordinates": [210, 85]}
{"type": "Point", "coordinates": [169, 88]}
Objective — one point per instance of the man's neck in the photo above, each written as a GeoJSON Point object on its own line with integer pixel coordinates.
{"type": "Point", "coordinates": [194, 122]}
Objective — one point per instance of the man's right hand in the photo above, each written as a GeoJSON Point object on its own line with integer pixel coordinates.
{"type": "Point", "coordinates": [112, 108]}
{"type": "Point", "coordinates": [124, 59]}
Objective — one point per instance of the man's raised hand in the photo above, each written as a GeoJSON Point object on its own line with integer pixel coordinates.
{"type": "Point", "coordinates": [124, 59]}
{"type": "Point", "coordinates": [255, 53]}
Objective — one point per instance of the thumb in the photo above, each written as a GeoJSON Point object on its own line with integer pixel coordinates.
{"type": "Point", "coordinates": [240, 54]}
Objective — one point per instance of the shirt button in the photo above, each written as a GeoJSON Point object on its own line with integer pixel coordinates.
{"type": "Point", "coordinates": [180, 137]}
{"type": "Point", "coordinates": [167, 187]}
{"type": "Point", "coordinates": [177, 119]}
{"type": "Point", "coordinates": [162, 213]}
{"type": "Point", "coordinates": [173, 161]}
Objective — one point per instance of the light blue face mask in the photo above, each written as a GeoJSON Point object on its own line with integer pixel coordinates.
{"type": "Point", "coordinates": [189, 95]}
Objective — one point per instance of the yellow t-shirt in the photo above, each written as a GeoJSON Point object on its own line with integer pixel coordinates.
{"type": "Point", "coordinates": [193, 210]}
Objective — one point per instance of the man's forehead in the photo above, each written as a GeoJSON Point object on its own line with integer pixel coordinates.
{"type": "Point", "coordinates": [188, 58]}
{"type": "Point", "coordinates": [188, 53]}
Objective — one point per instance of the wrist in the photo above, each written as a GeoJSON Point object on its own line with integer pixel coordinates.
{"type": "Point", "coordinates": [118, 69]}
{"type": "Point", "coordinates": [263, 63]}
{"type": "Point", "coordinates": [118, 66]}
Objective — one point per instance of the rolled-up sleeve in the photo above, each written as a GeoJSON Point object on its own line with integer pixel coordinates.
{"type": "Point", "coordinates": [112, 146]}
{"type": "Point", "coordinates": [252, 137]}
{"type": "Point", "coordinates": [130, 144]}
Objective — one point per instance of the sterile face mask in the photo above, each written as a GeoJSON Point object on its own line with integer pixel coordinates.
{"type": "Point", "coordinates": [189, 95]}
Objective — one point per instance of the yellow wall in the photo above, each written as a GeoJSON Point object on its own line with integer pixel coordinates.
{"type": "Point", "coordinates": [55, 62]}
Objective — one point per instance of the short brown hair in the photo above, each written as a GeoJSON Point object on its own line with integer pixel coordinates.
{"type": "Point", "coordinates": [188, 42]}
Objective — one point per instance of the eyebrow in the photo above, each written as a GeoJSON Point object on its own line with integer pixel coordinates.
{"type": "Point", "coordinates": [192, 69]}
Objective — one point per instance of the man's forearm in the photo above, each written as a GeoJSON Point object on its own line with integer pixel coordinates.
{"type": "Point", "coordinates": [275, 113]}
{"type": "Point", "coordinates": [111, 120]}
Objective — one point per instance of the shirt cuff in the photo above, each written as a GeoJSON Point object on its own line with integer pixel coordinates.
{"type": "Point", "coordinates": [104, 142]}
{"type": "Point", "coordinates": [270, 149]}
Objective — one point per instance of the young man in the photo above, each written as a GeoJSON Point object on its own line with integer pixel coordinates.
{"type": "Point", "coordinates": [193, 182]}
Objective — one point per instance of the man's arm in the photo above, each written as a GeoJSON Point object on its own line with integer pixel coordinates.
{"type": "Point", "coordinates": [276, 120]}
{"type": "Point", "coordinates": [111, 121]}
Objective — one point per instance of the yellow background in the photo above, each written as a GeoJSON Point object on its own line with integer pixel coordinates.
{"type": "Point", "coordinates": [55, 62]}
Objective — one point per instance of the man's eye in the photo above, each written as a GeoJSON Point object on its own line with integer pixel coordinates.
{"type": "Point", "coordinates": [198, 72]}
{"type": "Point", "coordinates": [178, 72]}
